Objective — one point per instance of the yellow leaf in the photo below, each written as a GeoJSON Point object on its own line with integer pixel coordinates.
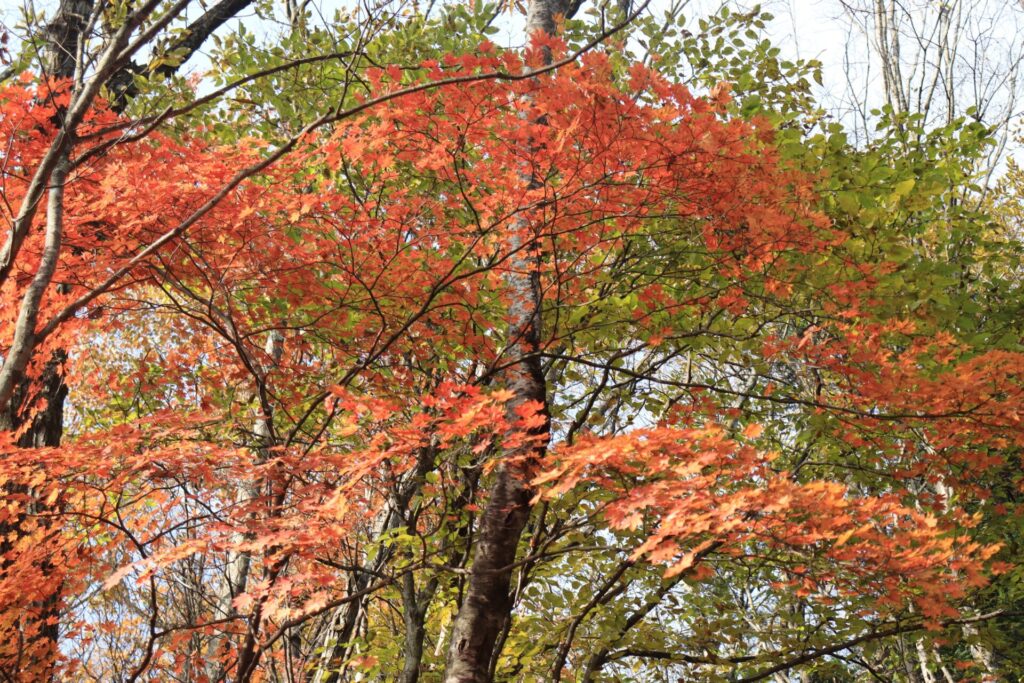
{"type": "Point", "coordinates": [843, 538]}
{"type": "Point", "coordinates": [904, 187]}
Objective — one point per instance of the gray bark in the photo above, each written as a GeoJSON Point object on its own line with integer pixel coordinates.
{"type": "Point", "coordinates": [23, 344]}
{"type": "Point", "coordinates": [238, 563]}
{"type": "Point", "coordinates": [65, 43]}
{"type": "Point", "coordinates": [488, 604]}
{"type": "Point", "coordinates": [981, 655]}
{"type": "Point", "coordinates": [122, 83]}
{"type": "Point", "coordinates": [340, 631]}
{"type": "Point", "coordinates": [63, 39]}
{"type": "Point", "coordinates": [344, 622]}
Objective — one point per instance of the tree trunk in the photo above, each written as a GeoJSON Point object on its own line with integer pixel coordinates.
{"type": "Point", "coordinates": [41, 414]}
{"type": "Point", "coordinates": [35, 410]}
{"type": "Point", "coordinates": [236, 571]}
{"type": "Point", "coordinates": [487, 604]}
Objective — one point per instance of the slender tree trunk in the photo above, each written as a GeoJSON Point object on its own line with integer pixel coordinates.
{"type": "Point", "coordinates": [239, 563]}
{"type": "Point", "coordinates": [43, 411]}
{"type": "Point", "coordinates": [981, 655]}
{"type": "Point", "coordinates": [413, 613]}
{"type": "Point", "coordinates": [924, 661]}
{"type": "Point", "coordinates": [340, 630]}
{"type": "Point", "coordinates": [343, 624]}
{"type": "Point", "coordinates": [487, 604]}
{"type": "Point", "coordinates": [39, 627]}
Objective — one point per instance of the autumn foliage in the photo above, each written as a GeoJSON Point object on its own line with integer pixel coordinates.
{"type": "Point", "coordinates": [326, 343]}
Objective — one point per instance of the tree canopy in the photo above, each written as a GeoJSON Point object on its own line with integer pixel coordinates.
{"type": "Point", "coordinates": [374, 351]}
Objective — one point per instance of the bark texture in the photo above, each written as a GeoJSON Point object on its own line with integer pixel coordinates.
{"type": "Point", "coordinates": [487, 604]}
{"type": "Point", "coordinates": [38, 412]}
{"type": "Point", "coordinates": [35, 409]}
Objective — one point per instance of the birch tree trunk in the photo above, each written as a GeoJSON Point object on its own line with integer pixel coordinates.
{"type": "Point", "coordinates": [35, 410]}
{"type": "Point", "coordinates": [42, 427]}
{"type": "Point", "coordinates": [236, 572]}
{"type": "Point", "coordinates": [487, 603]}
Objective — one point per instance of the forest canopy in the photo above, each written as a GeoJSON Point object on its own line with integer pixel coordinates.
{"type": "Point", "coordinates": [358, 343]}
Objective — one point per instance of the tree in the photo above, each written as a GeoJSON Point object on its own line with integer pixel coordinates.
{"type": "Point", "coordinates": [504, 366]}
{"type": "Point", "coordinates": [940, 61]}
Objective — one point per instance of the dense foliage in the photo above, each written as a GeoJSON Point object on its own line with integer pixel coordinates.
{"type": "Point", "coordinates": [426, 360]}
